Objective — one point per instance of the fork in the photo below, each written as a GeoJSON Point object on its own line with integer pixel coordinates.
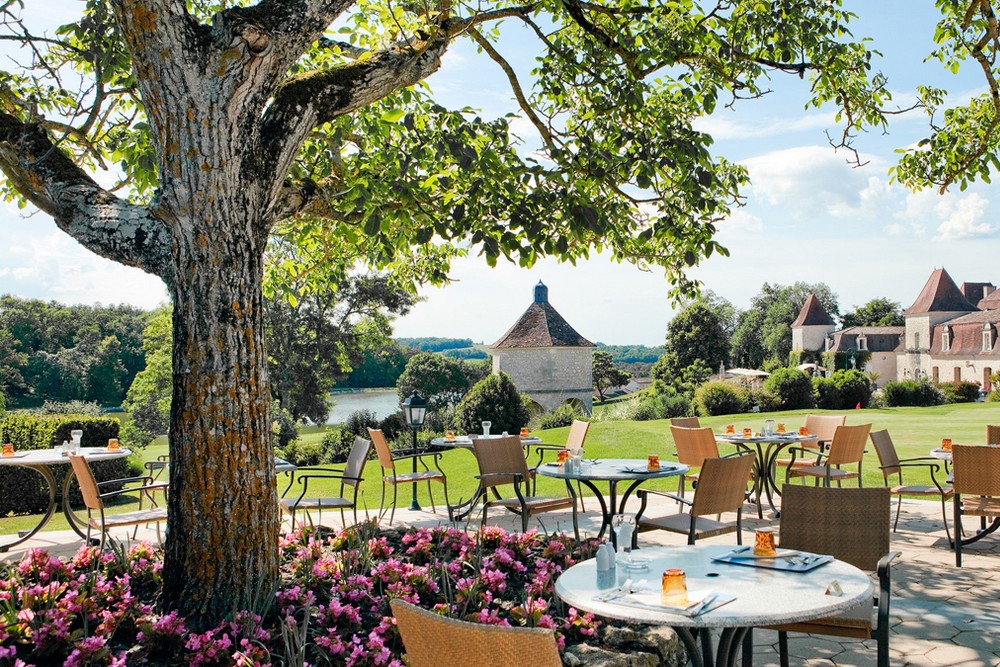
{"type": "Point", "coordinates": [624, 589]}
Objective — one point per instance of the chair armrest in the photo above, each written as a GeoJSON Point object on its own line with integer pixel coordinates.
{"type": "Point", "coordinates": [641, 493]}
{"type": "Point", "coordinates": [518, 477]}
{"type": "Point", "coordinates": [418, 455]}
{"type": "Point", "coordinates": [143, 488]}
{"type": "Point", "coordinates": [146, 479]}
{"type": "Point", "coordinates": [885, 585]}
{"type": "Point", "coordinates": [933, 468]}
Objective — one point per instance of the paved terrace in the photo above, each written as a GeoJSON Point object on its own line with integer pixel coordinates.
{"type": "Point", "coordinates": [941, 615]}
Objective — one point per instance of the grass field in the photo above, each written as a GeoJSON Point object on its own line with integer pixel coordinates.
{"type": "Point", "coordinates": [915, 432]}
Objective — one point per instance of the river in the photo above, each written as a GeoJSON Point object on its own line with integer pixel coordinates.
{"type": "Point", "coordinates": [383, 402]}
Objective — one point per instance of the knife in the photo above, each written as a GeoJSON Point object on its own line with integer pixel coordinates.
{"type": "Point", "coordinates": [703, 605]}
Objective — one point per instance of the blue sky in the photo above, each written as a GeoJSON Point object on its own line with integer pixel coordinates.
{"type": "Point", "coordinates": [809, 215]}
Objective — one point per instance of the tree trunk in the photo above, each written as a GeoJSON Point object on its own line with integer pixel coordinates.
{"type": "Point", "coordinates": [221, 551]}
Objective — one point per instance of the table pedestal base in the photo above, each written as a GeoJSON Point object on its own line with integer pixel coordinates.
{"type": "Point", "coordinates": [699, 647]}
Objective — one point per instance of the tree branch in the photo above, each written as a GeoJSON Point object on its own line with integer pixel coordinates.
{"type": "Point", "coordinates": [103, 223]}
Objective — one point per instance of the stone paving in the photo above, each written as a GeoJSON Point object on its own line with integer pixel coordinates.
{"type": "Point", "coordinates": [940, 614]}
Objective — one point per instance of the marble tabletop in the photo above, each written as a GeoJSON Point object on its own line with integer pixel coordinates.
{"type": "Point", "coordinates": [612, 469]}
{"type": "Point", "coordinates": [41, 457]}
{"type": "Point", "coordinates": [763, 596]}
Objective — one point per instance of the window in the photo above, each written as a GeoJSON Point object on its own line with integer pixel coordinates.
{"type": "Point", "coordinates": [945, 339]}
{"type": "Point", "coordinates": [916, 340]}
{"type": "Point", "coordinates": [957, 377]}
{"type": "Point", "coordinates": [987, 337]}
{"type": "Point", "coordinates": [862, 343]}
{"type": "Point", "coordinates": [935, 374]}
{"type": "Point", "coordinates": [987, 374]}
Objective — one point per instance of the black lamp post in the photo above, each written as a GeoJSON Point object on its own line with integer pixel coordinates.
{"type": "Point", "coordinates": [415, 409]}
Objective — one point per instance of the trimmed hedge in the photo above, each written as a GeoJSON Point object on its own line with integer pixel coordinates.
{"type": "Point", "coordinates": [919, 393]}
{"type": "Point", "coordinates": [960, 392]}
{"type": "Point", "coordinates": [718, 398]}
{"type": "Point", "coordinates": [792, 387]}
{"type": "Point", "coordinates": [23, 491]}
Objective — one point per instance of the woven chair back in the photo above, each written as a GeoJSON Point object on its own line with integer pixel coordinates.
{"type": "Point", "coordinates": [848, 444]}
{"type": "Point", "coordinates": [850, 524]}
{"type": "Point", "coordinates": [356, 460]}
{"type": "Point", "coordinates": [694, 445]}
{"type": "Point", "coordinates": [685, 422]}
{"type": "Point", "coordinates": [382, 449]}
{"type": "Point", "coordinates": [722, 485]}
{"type": "Point", "coordinates": [993, 434]}
{"type": "Point", "coordinates": [498, 458]}
{"type": "Point", "coordinates": [976, 470]}
{"type": "Point", "coordinates": [88, 485]}
{"type": "Point", "coordinates": [432, 640]}
{"type": "Point", "coordinates": [824, 426]}
{"type": "Point", "coordinates": [886, 451]}
{"type": "Point", "coordinates": [577, 434]}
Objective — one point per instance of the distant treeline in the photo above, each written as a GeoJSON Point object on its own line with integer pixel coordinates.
{"type": "Point", "coordinates": [632, 354]}
{"type": "Point", "coordinates": [434, 344]}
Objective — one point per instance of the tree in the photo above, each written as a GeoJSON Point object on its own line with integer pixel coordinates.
{"type": "Point", "coordinates": [442, 380]}
{"type": "Point", "coordinates": [606, 373]}
{"type": "Point", "coordinates": [495, 399]}
{"type": "Point", "coordinates": [239, 125]}
{"type": "Point", "coordinates": [148, 398]}
{"type": "Point", "coordinates": [878, 312]}
{"type": "Point", "coordinates": [319, 337]}
{"type": "Point", "coordinates": [695, 335]}
{"type": "Point", "coordinates": [764, 332]}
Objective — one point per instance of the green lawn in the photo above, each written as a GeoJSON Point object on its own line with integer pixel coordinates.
{"type": "Point", "coordinates": [915, 432]}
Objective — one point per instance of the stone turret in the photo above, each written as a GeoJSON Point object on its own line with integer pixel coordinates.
{"type": "Point", "coordinates": [812, 326]}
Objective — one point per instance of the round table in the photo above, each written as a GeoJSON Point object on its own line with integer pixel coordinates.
{"type": "Point", "coordinates": [764, 597]}
{"type": "Point", "coordinates": [41, 461]}
{"type": "Point", "coordinates": [768, 448]}
{"type": "Point", "coordinates": [611, 471]}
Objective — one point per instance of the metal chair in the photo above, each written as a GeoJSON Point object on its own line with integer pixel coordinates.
{"type": "Point", "coordinates": [392, 477]}
{"type": "Point", "coordinates": [721, 488]}
{"type": "Point", "coordinates": [694, 447]}
{"type": "Point", "coordinates": [976, 473]}
{"type": "Point", "coordinates": [501, 463]}
{"type": "Point", "coordinates": [93, 499]}
{"type": "Point", "coordinates": [349, 476]}
{"type": "Point", "coordinates": [847, 448]}
{"type": "Point", "coordinates": [853, 526]}
{"type": "Point", "coordinates": [432, 640]}
{"type": "Point", "coordinates": [891, 465]}
{"type": "Point", "coordinates": [574, 443]}
{"type": "Point", "coordinates": [821, 426]}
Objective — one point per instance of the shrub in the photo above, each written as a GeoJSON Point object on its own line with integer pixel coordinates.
{"type": "Point", "coordinates": [68, 408]}
{"type": "Point", "coordinates": [359, 421]}
{"type": "Point", "coordinates": [558, 418]}
{"type": "Point", "coordinates": [305, 453]}
{"type": "Point", "coordinates": [913, 393]}
{"type": "Point", "coordinates": [759, 399]}
{"type": "Point", "coordinates": [855, 388]}
{"type": "Point", "coordinates": [960, 392]}
{"type": "Point", "coordinates": [283, 426]}
{"type": "Point", "coordinates": [718, 398]}
{"type": "Point", "coordinates": [826, 394]}
{"type": "Point", "coordinates": [494, 399]}
{"type": "Point", "coordinates": [792, 387]}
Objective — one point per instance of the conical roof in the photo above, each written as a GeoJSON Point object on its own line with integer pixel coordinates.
{"type": "Point", "coordinates": [812, 313]}
{"type": "Point", "coordinates": [541, 326]}
{"type": "Point", "coordinates": [940, 295]}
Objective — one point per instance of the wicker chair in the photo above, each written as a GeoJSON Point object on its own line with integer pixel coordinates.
{"type": "Point", "coordinates": [685, 422]}
{"type": "Point", "coordinates": [722, 488]}
{"type": "Point", "coordinates": [349, 476]}
{"type": "Point", "coordinates": [993, 434]}
{"type": "Point", "coordinates": [891, 465]}
{"type": "Point", "coordinates": [853, 526]}
{"type": "Point", "coordinates": [694, 447]}
{"type": "Point", "coordinates": [574, 443]}
{"type": "Point", "coordinates": [976, 473]}
{"type": "Point", "coordinates": [501, 463]}
{"type": "Point", "coordinates": [847, 448]}
{"type": "Point", "coordinates": [393, 478]}
{"type": "Point", "coordinates": [432, 640]}
{"type": "Point", "coordinates": [93, 499]}
{"type": "Point", "coordinates": [821, 426]}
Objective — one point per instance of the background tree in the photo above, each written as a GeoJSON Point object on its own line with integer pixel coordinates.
{"type": "Point", "coordinates": [442, 380]}
{"type": "Point", "coordinates": [379, 367]}
{"type": "Point", "coordinates": [148, 398]}
{"type": "Point", "coordinates": [764, 332]}
{"type": "Point", "coordinates": [879, 312]}
{"type": "Point", "coordinates": [315, 339]}
{"type": "Point", "coordinates": [234, 121]}
{"type": "Point", "coordinates": [695, 335]}
{"type": "Point", "coordinates": [495, 399]}
{"type": "Point", "coordinates": [606, 373]}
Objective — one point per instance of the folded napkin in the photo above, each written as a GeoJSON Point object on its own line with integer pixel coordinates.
{"type": "Point", "coordinates": [699, 602]}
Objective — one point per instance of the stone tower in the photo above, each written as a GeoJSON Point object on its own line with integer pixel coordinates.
{"type": "Point", "coordinates": [812, 326]}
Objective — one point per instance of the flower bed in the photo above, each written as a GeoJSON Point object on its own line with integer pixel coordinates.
{"type": "Point", "coordinates": [331, 607]}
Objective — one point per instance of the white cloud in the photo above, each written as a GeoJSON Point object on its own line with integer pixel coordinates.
{"type": "Point", "coordinates": [741, 221]}
{"type": "Point", "coordinates": [723, 128]}
{"type": "Point", "coordinates": [963, 218]}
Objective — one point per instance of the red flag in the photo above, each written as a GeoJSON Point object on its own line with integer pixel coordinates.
{"type": "Point", "coordinates": [858, 406]}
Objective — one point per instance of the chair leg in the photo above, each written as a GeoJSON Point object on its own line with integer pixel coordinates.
{"type": "Point", "coordinates": [381, 506]}
{"type": "Point", "coordinates": [430, 494]}
{"type": "Point", "coordinates": [392, 513]}
{"type": "Point", "coordinates": [783, 648]}
{"type": "Point", "coordinates": [944, 520]}
{"type": "Point", "coordinates": [958, 531]}
{"type": "Point", "coordinates": [899, 507]}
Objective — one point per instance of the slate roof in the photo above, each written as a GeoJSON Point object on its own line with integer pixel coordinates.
{"type": "Point", "coordinates": [991, 301]}
{"type": "Point", "coordinates": [541, 326]}
{"type": "Point", "coordinates": [877, 339]}
{"type": "Point", "coordinates": [812, 313]}
{"type": "Point", "coordinates": [940, 294]}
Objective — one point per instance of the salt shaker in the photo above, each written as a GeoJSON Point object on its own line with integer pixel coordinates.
{"type": "Point", "coordinates": [604, 558]}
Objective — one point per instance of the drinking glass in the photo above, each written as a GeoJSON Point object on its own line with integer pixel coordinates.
{"type": "Point", "coordinates": [486, 428]}
{"type": "Point", "coordinates": [624, 527]}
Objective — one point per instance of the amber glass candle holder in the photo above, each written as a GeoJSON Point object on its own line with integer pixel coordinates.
{"type": "Point", "coordinates": [747, 433]}
{"type": "Point", "coordinates": [8, 450]}
{"type": "Point", "coordinates": [653, 462]}
{"type": "Point", "coordinates": [562, 456]}
{"type": "Point", "coordinates": [730, 429]}
{"type": "Point", "coordinates": [524, 431]}
{"type": "Point", "coordinates": [763, 543]}
{"type": "Point", "coordinates": [449, 435]}
{"type": "Point", "coordinates": [673, 588]}
{"type": "Point", "coordinates": [113, 445]}
{"type": "Point", "coordinates": [781, 428]}
{"type": "Point", "coordinates": [946, 444]}
{"type": "Point", "coordinates": [803, 430]}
